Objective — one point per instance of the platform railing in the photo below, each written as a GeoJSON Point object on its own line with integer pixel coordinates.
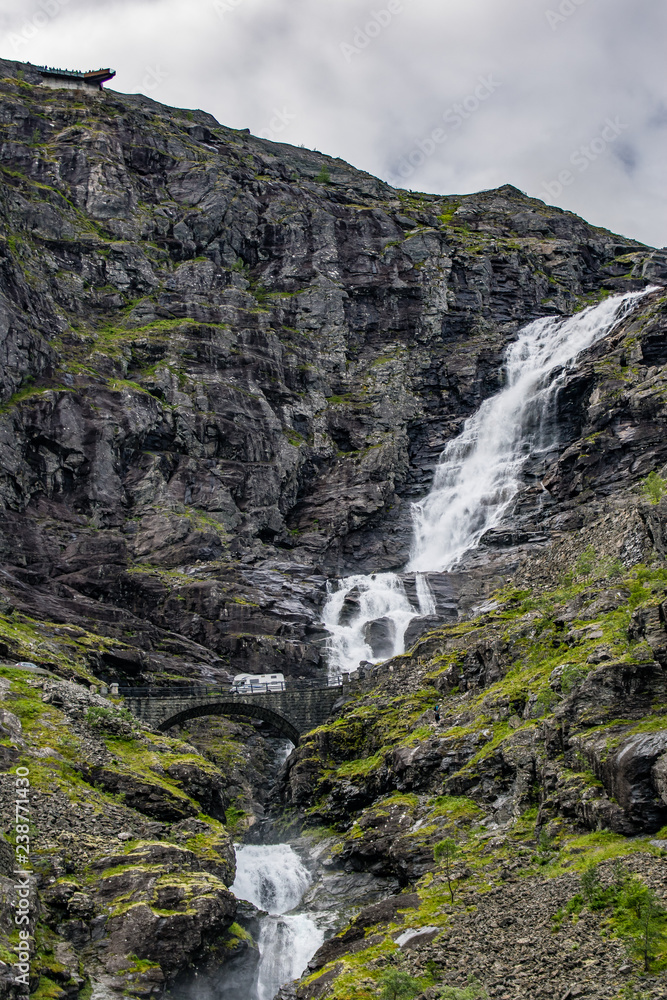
{"type": "Point", "coordinates": [204, 690]}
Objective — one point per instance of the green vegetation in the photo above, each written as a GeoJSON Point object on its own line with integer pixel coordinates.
{"type": "Point", "coordinates": [641, 921]}
{"type": "Point", "coordinates": [585, 564]}
{"type": "Point", "coordinates": [445, 217]}
{"type": "Point", "coordinates": [630, 992]}
{"type": "Point", "coordinates": [637, 916]}
{"type": "Point", "coordinates": [539, 634]}
{"type": "Point", "coordinates": [591, 299]}
{"type": "Point", "coordinates": [654, 487]}
{"type": "Point", "coordinates": [294, 437]}
{"type": "Point", "coordinates": [68, 648]}
{"type": "Point", "coordinates": [573, 674]}
{"type": "Point", "coordinates": [324, 176]}
{"type": "Point", "coordinates": [235, 820]}
{"type": "Point", "coordinates": [47, 989]}
{"type": "Point", "coordinates": [395, 984]}
{"type": "Point", "coordinates": [116, 720]}
{"type": "Point", "coordinates": [455, 807]}
{"type": "Point", "coordinates": [473, 991]}
{"type": "Point", "coordinates": [357, 768]}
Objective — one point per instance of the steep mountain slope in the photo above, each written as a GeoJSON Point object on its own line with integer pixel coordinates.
{"type": "Point", "coordinates": [546, 755]}
{"type": "Point", "coordinates": [228, 367]}
{"type": "Point", "coordinates": [229, 364]}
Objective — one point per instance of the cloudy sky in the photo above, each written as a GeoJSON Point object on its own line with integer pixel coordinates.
{"type": "Point", "coordinates": [566, 99]}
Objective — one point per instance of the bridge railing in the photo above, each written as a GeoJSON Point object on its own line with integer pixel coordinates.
{"type": "Point", "coordinates": [206, 690]}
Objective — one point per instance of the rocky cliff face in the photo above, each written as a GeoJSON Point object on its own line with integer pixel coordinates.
{"type": "Point", "coordinates": [228, 367]}
{"type": "Point", "coordinates": [533, 736]}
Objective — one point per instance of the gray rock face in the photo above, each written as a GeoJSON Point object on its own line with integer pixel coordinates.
{"type": "Point", "coordinates": [225, 379]}
{"type": "Point", "coordinates": [381, 636]}
{"type": "Point", "coordinates": [659, 775]}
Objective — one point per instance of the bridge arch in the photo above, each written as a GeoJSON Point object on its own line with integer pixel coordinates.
{"type": "Point", "coordinates": [278, 722]}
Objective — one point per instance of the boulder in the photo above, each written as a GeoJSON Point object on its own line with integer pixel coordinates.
{"type": "Point", "coordinates": [381, 637]}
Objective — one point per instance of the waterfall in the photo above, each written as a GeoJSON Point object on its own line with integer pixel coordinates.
{"type": "Point", "coordinates": [361, 604]}
{"type": "Point", "coordinates": [476, 480]}
{"type": "Point", "coordinates": [274, 878]}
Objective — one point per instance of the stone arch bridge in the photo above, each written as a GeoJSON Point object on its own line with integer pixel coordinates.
{"type": "Point", "coordinates": [290, 713]}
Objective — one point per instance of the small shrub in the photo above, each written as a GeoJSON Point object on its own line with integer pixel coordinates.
{"type": "Point", "coordinates": [233, 817]}
{"type": "Point", "coordinates": [630, 992]}
{"type": "Point", "coordinates": [585, 564]}
{"type": "Point", "coordinates": [620, 874]}
{"type": "Point", "coordinates": [545, 701]}
{"type": "Point", "coordinates": [117, 721]}
{"type": "Point", "coordinates": [610, 569]}
{"type": "Point", "coordinates": [638, 916]}
{"type": "Point", "coordinates": [598, 896]}
{"type": "Point", "coordinates": [573, 674]}
{"type": "Point", "coordinates": [324, 177]}
{"type": "Point", "coordinates": [653, 488]}
{"type": "Point", "coordinates": [473, 991]}
{"type": "Point", "coordinates": [545, 842]}
{"type": "Point", "coordinates": [434, 970]}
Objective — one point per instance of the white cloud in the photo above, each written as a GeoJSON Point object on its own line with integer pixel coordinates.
{"type": "Point", "coordinates": [559, 84]}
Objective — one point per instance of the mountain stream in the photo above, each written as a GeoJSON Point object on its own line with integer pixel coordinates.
{"type": "Point", "coordinates": [476, 481]}
{"type": "Point", "coordinates": [274, 878]}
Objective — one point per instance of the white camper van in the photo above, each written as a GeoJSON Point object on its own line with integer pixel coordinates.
{"type": "Point", "coordinates": [257, 683]}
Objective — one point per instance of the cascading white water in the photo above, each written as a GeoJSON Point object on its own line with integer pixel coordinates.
{"type": "Point", "coordinates": [274, 878]}
{"type": "Point", "coordinates": [476, 480]}
{"type": "Point", "coordinates": [480, 471]}
{"type": "Point", "coordinates": [377, 598]}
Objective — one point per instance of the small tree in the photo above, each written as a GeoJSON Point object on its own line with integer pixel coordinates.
{"type": "Point", "coordinates": [445, 851]}
{"type": "Point", "coordinates": [654, 488]}
{"type": "Point", "coordinates": [620, 874]}
{"type": "Point", "coordinates": [650, 931]}
{"type": "Point", "coordinates": [644, 927]}
{"type": "Point", "coordinates": [590, 884]}
{"type": "Point", "coordinates": [545, 842]}
{"type": "Point", "coordinates": [586, 562]}
{"type": "Point", "coordinates": [398, 985]}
